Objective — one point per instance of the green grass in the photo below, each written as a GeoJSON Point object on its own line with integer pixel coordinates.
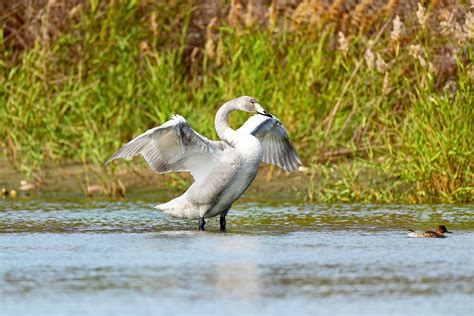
{"type": "Point", "coordinates": [403, 138]}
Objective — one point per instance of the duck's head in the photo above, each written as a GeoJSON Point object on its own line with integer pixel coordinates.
{"type": "Point", "coordinates": [441, 229]}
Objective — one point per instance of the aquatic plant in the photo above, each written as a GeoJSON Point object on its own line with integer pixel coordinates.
{"type": "Point", "coordinates": [377, 97]}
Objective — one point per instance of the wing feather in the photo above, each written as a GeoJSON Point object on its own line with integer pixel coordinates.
{"type": "Point", "coordinates": [174, 146]}
{"type": "Point", "coordinates": [277, 147]}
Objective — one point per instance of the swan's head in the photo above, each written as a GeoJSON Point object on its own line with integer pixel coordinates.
{"type": "Point", "coordinates": [249, 104]}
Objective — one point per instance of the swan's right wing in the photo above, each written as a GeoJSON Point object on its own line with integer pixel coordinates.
{"type": "Point", "coordinates": [272, 134]}
{"type": "Point", "coordinates": [174, 146]}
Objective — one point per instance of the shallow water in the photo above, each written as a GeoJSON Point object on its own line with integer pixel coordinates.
{"type": "Point", "coordinates": [67, 257]}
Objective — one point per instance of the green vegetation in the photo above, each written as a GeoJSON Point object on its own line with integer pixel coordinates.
{"type": "Point", "coordinates": [376, 115]}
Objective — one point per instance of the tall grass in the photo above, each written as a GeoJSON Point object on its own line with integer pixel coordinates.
{"type": "Point", "coordinates": [397, 133]}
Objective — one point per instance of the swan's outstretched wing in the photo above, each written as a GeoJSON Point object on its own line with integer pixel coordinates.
{"type": "Point", "coordinates": [277, 148]}
{"type": "Point", "coordinates": [174, 146]}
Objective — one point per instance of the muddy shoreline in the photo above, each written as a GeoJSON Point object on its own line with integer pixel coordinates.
{"type": "Point", "coordinates": [78, 179]}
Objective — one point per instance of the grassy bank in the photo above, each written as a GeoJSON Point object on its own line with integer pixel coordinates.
{"type": "Point", "coordinates": [380, 110]}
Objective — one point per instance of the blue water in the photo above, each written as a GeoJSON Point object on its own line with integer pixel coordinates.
{"type": "Point", "coordinates": [123, 258]}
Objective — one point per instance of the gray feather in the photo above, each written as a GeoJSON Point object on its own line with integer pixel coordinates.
{"type": "Point", "coordinates": [171, 147]}
{"type": "Point", "coordinates": [277, 148]}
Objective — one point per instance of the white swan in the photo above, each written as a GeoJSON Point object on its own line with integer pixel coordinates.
{"type": "Point", "coordinates": [222, 170]}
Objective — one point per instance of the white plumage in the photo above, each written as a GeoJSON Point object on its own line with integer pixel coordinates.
{"type": "Point", "coordinates": [222, 170]}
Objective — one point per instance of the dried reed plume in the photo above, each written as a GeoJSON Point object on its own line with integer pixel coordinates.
{"type": "Point", "coordinates": [459, 33]}
{"type": "Point", "coordinates": [380, 64]}
{"type": "Point", "coordinates": [421, 15]}
{"type": "Point", "coordinates": [360, 13]}
{"type": "Point", "coordinates": [390, 7]}
{"type": "Point", "coordinates": [343, 43]}
{"type": "Point", "coordinates": [194, 56]}
{"type": "Point", "coordinates": [144, 48]}
{"type": "Point", "coordinates": [75, 11]}
{"type": "Point", "coordinates": [220, 51]}
{"type": "Point", "coordinates": [335, 10]}
{"type": "Point", "coordinates": [250, 14]}
{"type": "Point", "coordinates": [469, 24]}
{"type": "Point", "coordinates": [45, 23]}
{"type": "Point", "coordinates": [308, 12]}
{"type": "Point", "coordinates": [386, 84]}
{"type": "Point", "coordinates": [154, 24]}
{"type": "Point", "coordinates": [235, 13]}
{"type": "Point", "coordinates": [209, 47]}
{"type": "Point", "coordinates": [397, 30]}
{"type": "Point", "coordinates": [446, 22]}
{"type": "Point", "coordinates": [272, 16]}
{"type": "Point", "coordinates": [369, 59]}
{"type": "Point", "coordinates": [416, 51]}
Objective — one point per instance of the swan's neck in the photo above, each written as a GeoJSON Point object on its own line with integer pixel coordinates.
{"type": "Point", "coordinates": [225, 132]}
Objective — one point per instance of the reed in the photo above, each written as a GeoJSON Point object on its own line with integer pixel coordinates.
{"type": "Point", "coordinates": [372, 123]}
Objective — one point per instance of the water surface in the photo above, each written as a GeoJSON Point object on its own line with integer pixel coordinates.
{"type": "Point", "coordinates": [63, 256]}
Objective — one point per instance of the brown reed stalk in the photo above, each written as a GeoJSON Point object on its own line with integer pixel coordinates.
{"type": "Point", "coordinates": [335, 10]}
{"type": "Point", "coordinates": [273, 16]}
{"type": "Point", "coordinates": [209, 47]}
{"type": "Point", "coordinates": [369, 18]}
{"type": "Point", "coordinates": [360, 11]}
{"type": "Point", "coordinates": [390, 7]}
{"type": "Point", "coordinates": [308, 13]}
{"type": "Point", "coordinates": [220, 51]}
{"type": "Point", "coordinates": [235, 13]}
{"type": "Point", "coordinates": [249, 17]}
{"type": "Point", "coordinates": [154, 25]}
{"type": "Point", "coordinates": [319, 9]}
{"type": "Point", "coordinates": [300, 14]}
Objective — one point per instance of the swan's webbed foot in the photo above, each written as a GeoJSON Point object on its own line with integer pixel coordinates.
{"type": "Point", "coordinates": [202, 223]}
{"type": "Point", "coordinates": [222, 222]}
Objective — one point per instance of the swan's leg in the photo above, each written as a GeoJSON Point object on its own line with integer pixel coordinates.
{"type": "Point", "coordinates": [202, 223]}
{"type": "Point", "coordinates": [222, 222]}
{"type": "Point", "coordinates": [222, 219]}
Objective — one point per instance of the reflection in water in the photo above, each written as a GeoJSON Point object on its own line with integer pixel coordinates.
{"type": "Point", "coordinates": [238, 274]}
{"type": "Point", "coordinates": [76, 257]}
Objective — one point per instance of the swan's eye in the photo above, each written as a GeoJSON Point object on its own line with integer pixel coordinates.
{"type": "Point", "coordinates": [252, 101]}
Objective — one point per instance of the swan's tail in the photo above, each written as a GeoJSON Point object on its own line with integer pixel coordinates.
{"type": "Point", "coordinates": [179, 207]}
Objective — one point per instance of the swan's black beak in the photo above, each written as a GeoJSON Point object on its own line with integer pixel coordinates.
{"type": "Point", "coordinates": [264, 113]}
{"type": "Point", "coordinates": [261, 111]}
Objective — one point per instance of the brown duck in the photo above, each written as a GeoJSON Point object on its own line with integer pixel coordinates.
{"type": "Point", "coordinates": [438, 233]}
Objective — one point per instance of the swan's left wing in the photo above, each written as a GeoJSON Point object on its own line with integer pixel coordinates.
{"type": "Point", "coordinates": [277, 148]}
{"type": "Point", "coordinates": [174, 146]}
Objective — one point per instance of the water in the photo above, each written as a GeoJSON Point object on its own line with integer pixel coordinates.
{"type": "Point", "coordinates": [77, 257]}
